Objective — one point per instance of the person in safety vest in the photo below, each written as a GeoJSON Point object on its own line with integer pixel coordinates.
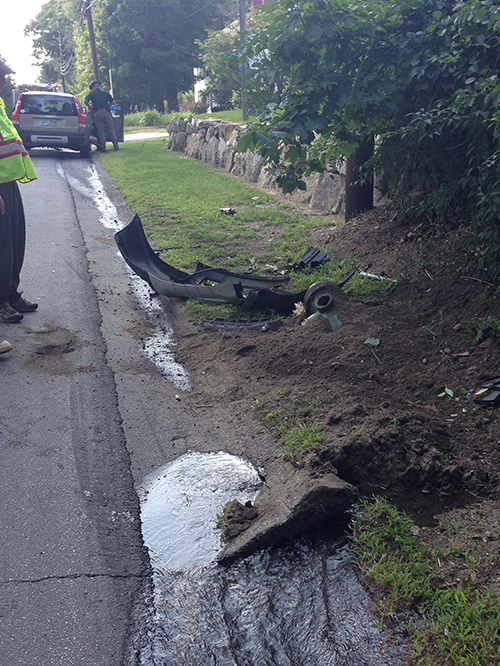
{"type": "Point", "coordinates": [15, 165]}
{"type": "Point", "coordinates": [100, 102]}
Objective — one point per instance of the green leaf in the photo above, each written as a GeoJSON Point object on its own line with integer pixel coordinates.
{"type": "Point", "coordinates": [372, 342]}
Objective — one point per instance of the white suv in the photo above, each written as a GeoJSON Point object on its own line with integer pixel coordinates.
{"type": "Point", "coordinates": [48, 119]}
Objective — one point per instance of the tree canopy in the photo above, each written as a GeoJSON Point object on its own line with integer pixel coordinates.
{"type": "Point", "coordinates": [325, 77]}
{"type": "Point", "coordinates": [149, 45]}
{"type": "Point", "coordinates": [53, 40]}
{"type": "Point", "coordinates": [420, 76]}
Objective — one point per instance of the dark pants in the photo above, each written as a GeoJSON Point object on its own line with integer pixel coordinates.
{"type": "Point", "coordinates": [12, 242]}
{"type": "Point", "coordinates": [104, 123]}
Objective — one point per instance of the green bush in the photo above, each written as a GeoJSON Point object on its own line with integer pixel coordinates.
{"type": "Point", "coordinates": [421, 76]}
{"type": "Point", "coordinates": [151, 118]}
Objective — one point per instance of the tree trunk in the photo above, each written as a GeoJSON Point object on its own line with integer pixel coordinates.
{"type": "Point", "coordinates": [160, 104]}
{"type": "Point", "coordinates": [358, 198]}
{"type": "Point", "coordinates": [172, 102]}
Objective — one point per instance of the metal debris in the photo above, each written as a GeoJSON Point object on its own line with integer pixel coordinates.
{"type": "Point", "coordinates": [319, 302]}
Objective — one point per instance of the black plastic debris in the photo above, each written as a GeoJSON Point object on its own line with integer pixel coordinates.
{"type": "Point", "coordinates": [311, 259]}
{"type": "Point", "coordinates": [217, 285]}
{"type": "Point", "coordinates": [144, 261]}
{"type": "Point", "coordinates": [228, 211]}
{"type": "Point", "coordinates": [489, 394]}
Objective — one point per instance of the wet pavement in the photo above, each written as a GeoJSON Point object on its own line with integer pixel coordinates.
{"type": "Point", "coordinates": [72, 562]}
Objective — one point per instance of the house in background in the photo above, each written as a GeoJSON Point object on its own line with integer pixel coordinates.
{"type": "Point", "coordinates": [202, 76]}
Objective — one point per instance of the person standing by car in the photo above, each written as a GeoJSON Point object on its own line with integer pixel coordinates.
{"type": "Point", "coordinates": [15, 165]}
{"type": "Point", "coordinates": [100, 101]}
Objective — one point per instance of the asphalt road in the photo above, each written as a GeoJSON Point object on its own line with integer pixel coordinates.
{"type": "Point", "coordinates": [74, 573]}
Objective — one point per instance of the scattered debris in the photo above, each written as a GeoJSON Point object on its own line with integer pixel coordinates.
{"type": "Point", "coordinates": [228, 211]}
{"type": "Point", "coordinates": [372, 343]}
{"type": "Point", "coordinates": [489, 394]}
{"type": "Point", "coordinates": [250, 290]}
{"type": "Point", "coordinates": [220, 285]}
{"type": "Point", "coordinates": [375, 277]}
{"type": "Point", "coordinates": [318, 302]}
{"type": "Point", "coordinates": [299, 310]}
{"type": "Point", "coordinates": [311, 259]}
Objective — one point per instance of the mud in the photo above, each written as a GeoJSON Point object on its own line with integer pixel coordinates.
{"type": "Point", "coordinates": [386, 421]}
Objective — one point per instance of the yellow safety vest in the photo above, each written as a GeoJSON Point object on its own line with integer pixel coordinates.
{"type": "Point", "coordinates": [15, 163]}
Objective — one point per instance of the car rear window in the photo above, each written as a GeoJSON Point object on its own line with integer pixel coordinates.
{"type": "Point", "coordinates": [48, 105]}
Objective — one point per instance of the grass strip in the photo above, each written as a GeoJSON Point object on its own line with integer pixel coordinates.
{"type": "Point", "coordinates": [462, 622]}
{"type": "Point", "coordinates": [179, 202]}
{"type": "Point", "coordinates": [155, 119]}
{"type": "Point", "coordinates": [179, 199]}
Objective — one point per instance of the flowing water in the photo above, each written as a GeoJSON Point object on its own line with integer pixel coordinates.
{"type": "Point", "coordinates": [300, 605]}
{"type": "Point", "coordinates": [159, 346]}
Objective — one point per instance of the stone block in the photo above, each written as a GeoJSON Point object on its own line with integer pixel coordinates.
{"type": "Point", "coordinates": [328, 195]}
{"type": "Point", "coordinates": [193, 146]}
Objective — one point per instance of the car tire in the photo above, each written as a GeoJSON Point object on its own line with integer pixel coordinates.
{"type": "Point", "coordinates": [86, 151]}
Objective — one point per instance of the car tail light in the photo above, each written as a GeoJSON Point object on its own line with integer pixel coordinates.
{"type": "Point", "coordinates": [15, 113]}
{"type": "Point", "coordinates": [82, 121]}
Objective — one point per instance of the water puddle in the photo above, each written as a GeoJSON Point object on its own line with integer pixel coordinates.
{"type": "Point", "coordinates": [293, 606]}
{"type": "Point", "coordinates": [179, 504]}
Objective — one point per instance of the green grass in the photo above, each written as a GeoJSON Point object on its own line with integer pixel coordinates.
{"type": "Point", "coordinates": [222, 519]}
{"type": "Point", "coordinates": [137, 129]}
{"type": "Point", "coordinates": [154, 119]}
{"type": "Point", "coordinates": [463, 625]}
{"type": "Point", "coordinates": [231, 116]}
{"type": "Point", "coordinates": [179, 202]}
{"type": "Point", "coordinates": [479, 328]}
{"type": "Point", "coordinates": [293, 427]}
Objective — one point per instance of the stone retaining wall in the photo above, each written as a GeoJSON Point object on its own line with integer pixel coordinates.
{"type": "Point", "coordinates": [213, 141]}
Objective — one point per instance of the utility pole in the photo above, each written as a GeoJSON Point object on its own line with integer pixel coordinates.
{"type": "Point", "coordinates": [244, 65]}
{"type": "Point", "coordinates": [90, 23]}
{"type": "Point", "coordinates": [61, 63]}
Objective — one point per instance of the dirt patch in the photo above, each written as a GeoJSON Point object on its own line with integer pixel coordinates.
{"type": "Point", "coordinates": [399, 416]}
{"type": "Point", "coordinates": [50, 351]}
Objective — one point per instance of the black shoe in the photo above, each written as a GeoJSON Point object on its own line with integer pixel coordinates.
{"type": "Point", "coordinates": [9, 316]}
{"type": "Point", "coordinates": [22, 305]}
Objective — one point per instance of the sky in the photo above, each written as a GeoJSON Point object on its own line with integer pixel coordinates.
{"type": "Point", "coordinates": [15, 48]}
